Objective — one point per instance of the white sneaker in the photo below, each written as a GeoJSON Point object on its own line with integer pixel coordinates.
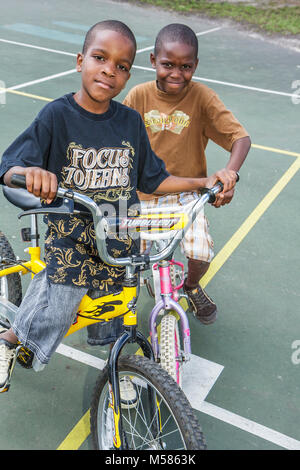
{"type": "Point", "coordinates": [7, 355]}
{"type": "Point", "coordinates": [128, 393]}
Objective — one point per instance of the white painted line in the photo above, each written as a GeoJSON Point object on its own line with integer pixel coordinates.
{"type": "Point", "coordinates": [199, 404]}
{"type": "Point", "coordinates": [44, 79]}
{"type": "Point", "coordinates": [245, 87]}
{"type": "Point", "coordinates": [145, 49]}
{"type": "Point", "coordinates": [219, 82]}
{"type": "Point", "coordinates": [39, 80]}
{"type": "Point", "coordinates": [250, 426]}
{"type": "Point", "coordinates": [201, 33]}
{"type": "Point", "coordinates": [38, 47]}
{"type": "Point", "coordinates": [199, 376]}
{"type": "Point", "coordinates": [80, 356]}
{"type": "Point", "coordinates": [147, 69]}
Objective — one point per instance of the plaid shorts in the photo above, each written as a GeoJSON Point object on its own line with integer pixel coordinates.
{"type": "Point", "coordinates": [197, 243]}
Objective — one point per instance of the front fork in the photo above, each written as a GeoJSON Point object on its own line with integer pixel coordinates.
{"type": "Point", "coordinates": [131, 334]}
{"type": "Point", "coordinates": [167, 299]}
{"type": "Point", "coordinates": [170, 304]}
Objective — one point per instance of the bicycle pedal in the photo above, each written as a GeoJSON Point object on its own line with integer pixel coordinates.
{"type": "Point", "coordinates": [191, 306]}
{"type": "Point", "coordinates": [25, 357]}
{"type": "Point", "coordinates": [5, 389]}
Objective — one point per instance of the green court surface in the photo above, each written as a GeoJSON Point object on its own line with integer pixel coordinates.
{"type": "Point", "coordinates": [247, 363]}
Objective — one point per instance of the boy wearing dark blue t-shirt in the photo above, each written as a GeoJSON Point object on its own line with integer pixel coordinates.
{"type": "Point", "coordinates": [92, 144]}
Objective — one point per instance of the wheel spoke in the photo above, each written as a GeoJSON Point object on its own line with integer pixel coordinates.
{"type": "Point", "coordinates": [162, 418]}
{"type": "Point", "coordinates": [3, 288]}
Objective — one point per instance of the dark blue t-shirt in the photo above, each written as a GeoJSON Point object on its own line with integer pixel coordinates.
{"type": "Point", "coordinates": [105, 156]}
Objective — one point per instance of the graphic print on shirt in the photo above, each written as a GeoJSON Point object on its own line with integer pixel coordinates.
{"type": "Point", "coordinates": [103, 174]}
{"type": "Point", "coordinates": [174, 122]}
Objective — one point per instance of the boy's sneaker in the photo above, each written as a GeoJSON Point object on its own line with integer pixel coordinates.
{"type": "Point", "coordinates": [7, 356]}
{"type": "Point", "coordinates": [128, 393]}
{"type": "Point", "coordinates": [203, 306]}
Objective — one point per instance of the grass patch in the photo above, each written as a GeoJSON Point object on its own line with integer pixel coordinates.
{"type": "Point", "coordinates": [270, 17]}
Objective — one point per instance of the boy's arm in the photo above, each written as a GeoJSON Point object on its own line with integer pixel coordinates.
{"type": "Point", "coordinates": [41, 183]}
{"type": "Point", "coordinates": [239, 152]}
{"type": "Point", "coordinates": [176, 184]}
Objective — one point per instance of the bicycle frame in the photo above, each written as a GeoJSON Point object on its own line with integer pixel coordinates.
{"type": "Point", "coordinates": [169, 302]}
{"type": "Point", "coordinates": [34, 265]}
{"type": "Point", "coordinates": [114, 305]}
{"type": "Point", "coordinates": [92, 311]}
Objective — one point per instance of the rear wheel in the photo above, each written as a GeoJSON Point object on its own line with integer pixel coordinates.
{"type": "Point", "coordinates": [10, 286]}
{"type": "Point", "coordinates": [11, 290]}
{"type": "Point", "coordinates": [170, 425]}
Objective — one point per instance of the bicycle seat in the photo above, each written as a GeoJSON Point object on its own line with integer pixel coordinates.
{"type": "Point", "coordinates": [21, 198]}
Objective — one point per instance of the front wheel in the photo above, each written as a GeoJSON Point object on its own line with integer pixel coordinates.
{"type": "Point", "coordinates": [170, 353]}
{"type": "Point", "coordinates": [170, 425]}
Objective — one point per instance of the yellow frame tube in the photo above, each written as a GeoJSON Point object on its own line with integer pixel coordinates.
{"type": "Point", "coordinates": [35, 264]}
{"type": "Point", "coordinates": [116, 304]}
{"type": "Point", "coordinates": [113, 305]}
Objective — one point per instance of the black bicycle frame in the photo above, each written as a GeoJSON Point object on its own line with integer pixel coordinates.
{"type": "Point", "coordinates": [130, 335]}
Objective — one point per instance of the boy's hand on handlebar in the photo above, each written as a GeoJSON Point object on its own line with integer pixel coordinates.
{"type": "Point", "coordinates": [41, 183]}
{"type": "Point", "coordinates": [228, 178]}
{"type": "Point", "coordinates": [223, 198]}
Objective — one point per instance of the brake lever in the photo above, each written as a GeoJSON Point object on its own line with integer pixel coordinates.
{"type": "Point", "coordinates": [67, 207]}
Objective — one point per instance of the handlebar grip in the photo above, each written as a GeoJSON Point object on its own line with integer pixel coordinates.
{"type": "Point", "coordinates": [212, 193]}
{"type": "Point", "coordinates": [19, 180]}
{"type": "Point", "coordinates": [221, 185]}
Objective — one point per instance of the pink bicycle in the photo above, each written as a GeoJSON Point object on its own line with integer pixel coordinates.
{"type": "Point", "coordinates": [169, 351]}
{"type": "Point", "coordinates": [172, 347]}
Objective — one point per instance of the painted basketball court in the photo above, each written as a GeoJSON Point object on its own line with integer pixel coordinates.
{"type": "Point", "coordinates": [243, 379]}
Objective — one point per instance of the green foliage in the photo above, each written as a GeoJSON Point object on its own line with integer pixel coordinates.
{"type": "Point", "coordinates": [269, 17]}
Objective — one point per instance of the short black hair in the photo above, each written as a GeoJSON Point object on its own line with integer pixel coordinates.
{"type": "Point", "coordinates": [176, 32]}
{"type": "Point", "coordinates": [113, 25]}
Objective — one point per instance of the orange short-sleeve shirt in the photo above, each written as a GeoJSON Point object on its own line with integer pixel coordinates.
{"type": "Point", "coordinates": [179, 126]}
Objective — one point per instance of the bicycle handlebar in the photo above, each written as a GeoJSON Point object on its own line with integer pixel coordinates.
{"type": "Point", "coordinates": [101, 225]}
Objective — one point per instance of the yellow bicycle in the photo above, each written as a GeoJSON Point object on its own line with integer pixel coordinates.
{"type": "Point", "coordinates": [161, 418]}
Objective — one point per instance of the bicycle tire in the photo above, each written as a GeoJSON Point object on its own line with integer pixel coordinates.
{"type": "Point", "coordinates": [10, 286]}
{"type": "Point", "coordinates": [170, 347]}
{"type": "Point", "coordinates": [11, 289]}
{"type": "Point", "coordinates": [180, 426]}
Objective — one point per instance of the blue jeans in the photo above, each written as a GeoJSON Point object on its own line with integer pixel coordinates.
{"type": "Point", "coordinates": [46, 313]}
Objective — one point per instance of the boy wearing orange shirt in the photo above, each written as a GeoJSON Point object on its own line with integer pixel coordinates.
{"type": "Point", "coordinates": [181, 116]}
